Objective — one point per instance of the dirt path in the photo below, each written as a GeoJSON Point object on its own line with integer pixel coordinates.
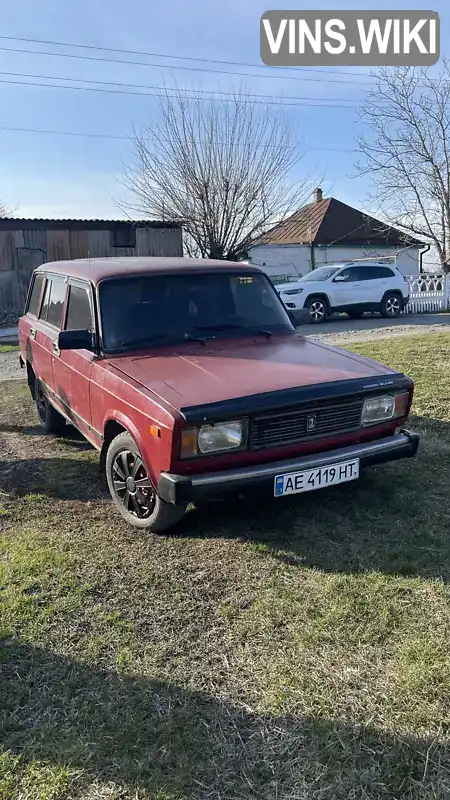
{"type": "Point", "coordinates": [10, 367]}
{"type": "Point", "coordinates": [341, 338]}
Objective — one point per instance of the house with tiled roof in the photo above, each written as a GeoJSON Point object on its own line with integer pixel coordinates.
{"type": "Point", "coordinates": [328, 230]}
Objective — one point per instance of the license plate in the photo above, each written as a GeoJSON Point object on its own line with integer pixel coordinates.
{"type": "Point", "coordinates": [310, 479]}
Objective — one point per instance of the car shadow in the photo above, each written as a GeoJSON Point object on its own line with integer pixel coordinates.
{"type": "Point", "coordinates": [70, 436]}
{"type": "Point", "coordinates": [61, 478]}
{"type": "Point", "coordinates": [147, 735]}
{"type": "Point", "coordinates": [395, 519]}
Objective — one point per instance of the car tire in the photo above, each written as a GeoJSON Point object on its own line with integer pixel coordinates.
{"type": "Point", "coordinates": [355, 314]}
{"type": "Point", "coordinates": [391, 306]}
{"type": "Point", "coordinates": [318, 310]}
{"type": "Point", "coordinates": [132, 491]}
{"type": "Point", "coordinates": [51, 420]}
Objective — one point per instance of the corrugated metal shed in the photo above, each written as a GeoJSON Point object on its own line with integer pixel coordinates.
{"type": "Point", "coordinates": [26, 243]}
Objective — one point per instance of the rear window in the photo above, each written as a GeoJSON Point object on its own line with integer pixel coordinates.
{"type": "Point", "coordinates": [35, 296]}
{"type": "Point", "coordinates": [52, 307]}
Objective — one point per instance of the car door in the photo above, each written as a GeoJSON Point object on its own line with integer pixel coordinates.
{"type": "Point", "coordinates": [47, 329]}
{"type": "Point", "coordinates": [29, 321]}
{"type": "Point", "coordinates": [374, 281]}
{"type": "Point", "coordinates": [344, 288]}
{"type": "Point", "coordinates": [72, 368]}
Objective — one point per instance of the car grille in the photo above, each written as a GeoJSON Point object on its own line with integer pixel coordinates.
{"type": "Point", "coordinates": [312, 422]}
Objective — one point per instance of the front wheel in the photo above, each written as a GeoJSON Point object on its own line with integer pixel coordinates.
{"type": "Point", "coordinates": [318, 310]}
{"type": "Point", "coordinates": [132, 491]}
{"type": "Point", "coordinates": [391, 306]}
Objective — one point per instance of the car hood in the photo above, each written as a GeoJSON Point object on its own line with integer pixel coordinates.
{"type": "Point", "coordinates": [222, 370]}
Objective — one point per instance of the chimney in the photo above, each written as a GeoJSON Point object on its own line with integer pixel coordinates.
{"type": "Point", "coordinates": [317, 195]}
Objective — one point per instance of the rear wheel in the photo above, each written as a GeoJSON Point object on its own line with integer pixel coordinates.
{"type": "Point", "coordinates": [391, 306]}
{"type": "Point", "coordinates": [132, 491]}
{"type": "Point", "coordinates": [318, 310]}
{"type": "Point", "coordinates": [51, 420]}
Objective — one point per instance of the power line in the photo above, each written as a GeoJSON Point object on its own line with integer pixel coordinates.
{"type": "Point", "coordinates": [128, 138]}
{"type": "Point", "coordinates": [185, 96]}
{"type": "Point", "coordinates": [180, 67]}
{"type": "Point", "coordinates": [176, 57]}
{"type": "Point", "coordinates": [164, 88]}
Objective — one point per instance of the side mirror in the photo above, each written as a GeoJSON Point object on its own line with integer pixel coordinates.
{"type": "Point", "coordinates": [299, 317]}
{"type": "Point", "coordinates": [76, 340]}
{"type": "Point", "coordinates": [339, 279]}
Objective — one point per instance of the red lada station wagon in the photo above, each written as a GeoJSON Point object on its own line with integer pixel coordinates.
{"type": "Point", "coordinates": [191, 379]}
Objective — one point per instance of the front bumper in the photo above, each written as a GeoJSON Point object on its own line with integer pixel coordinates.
{"type": "Point", "coordinates": [183, 489]}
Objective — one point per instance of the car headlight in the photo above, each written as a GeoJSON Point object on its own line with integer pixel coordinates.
{"type": "Point", "coordinates": [219, 438]}
{"type": "Point", "coordinates": [383, 408]}
{"type": "Point", "coordinates": [292, 291]}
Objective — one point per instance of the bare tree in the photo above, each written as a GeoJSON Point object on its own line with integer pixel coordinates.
{"type": "Point", "coordinates": [222, 168]}
{"type": "Point", "coordinates": [407, 152]}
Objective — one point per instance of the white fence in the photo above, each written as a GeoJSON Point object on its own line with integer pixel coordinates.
{"type": "Point", "coordinates": [428, 294]}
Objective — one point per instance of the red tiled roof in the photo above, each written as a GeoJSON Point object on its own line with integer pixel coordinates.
{"type": "Point", "coordinates": [329, 221]}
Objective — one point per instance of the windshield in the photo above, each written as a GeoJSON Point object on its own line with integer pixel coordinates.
{"type": "Point", "coordinates": [176, 307]}
{"type": "Point", "coordinates": [320, 274]}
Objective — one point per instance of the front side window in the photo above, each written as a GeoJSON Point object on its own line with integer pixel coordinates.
{"type": "Point", "coordinates": [79, 314]}
{"type": "Point", "coordinates": [52, 306]}
{"type": "Point", "coordinates": [350, 274]}
{"type": "Point", "coordinates": [166, 308]}
{"type": "Point", "coordinates": [35, 297]}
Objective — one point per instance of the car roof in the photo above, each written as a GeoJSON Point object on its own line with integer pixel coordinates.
{"type": "Point", "coordinates": [97, 269]}
{"type": "Point", "coordinates": [362, 263]}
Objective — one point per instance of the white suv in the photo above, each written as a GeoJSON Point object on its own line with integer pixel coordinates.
{"type": "Point", "coordinates": [350, 287]}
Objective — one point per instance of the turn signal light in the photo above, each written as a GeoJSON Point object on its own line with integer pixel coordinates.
{"type": "Point", "coordinates": [401, 404]}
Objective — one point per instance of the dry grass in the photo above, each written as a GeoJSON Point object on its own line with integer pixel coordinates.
{"type": "Point", "coordinates": [293, 649]}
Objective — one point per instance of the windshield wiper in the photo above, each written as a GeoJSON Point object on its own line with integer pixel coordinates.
{"type": "Point", "coordinates": [230, 326]}
{"type": "Point", "coordinates": [160, 338]}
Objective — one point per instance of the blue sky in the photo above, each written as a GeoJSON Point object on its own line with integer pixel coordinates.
{"type": "Point", "coordinates": [65, 176]}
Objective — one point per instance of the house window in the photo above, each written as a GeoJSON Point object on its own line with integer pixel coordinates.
{"type": "Point", "coordinates": [123, 236]}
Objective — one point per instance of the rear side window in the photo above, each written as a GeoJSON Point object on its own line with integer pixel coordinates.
{"type": "Point", "coordinates": [35, 297]}
{"type": "Point", "coordinates": [375, 273]}
{"type": "Point", "coordinates": [52, 307]}
{"type": "Point", "coordinates": [79, 314]}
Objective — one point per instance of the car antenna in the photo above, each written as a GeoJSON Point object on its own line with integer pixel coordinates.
{"type": "Point", "coordinates": [90, 279]}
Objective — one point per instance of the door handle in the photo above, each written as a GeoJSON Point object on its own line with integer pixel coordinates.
{"type": "Point", "coordinates": [32, 333]}
{"type": "Point", "coordinates": [55, 348]}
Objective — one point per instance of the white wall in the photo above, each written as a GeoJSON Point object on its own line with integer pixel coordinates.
{"type": "Point", "coordinates": [295, 260]}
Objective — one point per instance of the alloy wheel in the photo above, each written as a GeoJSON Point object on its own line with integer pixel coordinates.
{"type": "Point", "coordinates": [392, 306]}
{"type": "Point", "coordinates": [317, 311]}
{"type": "Point", "coordinates": [132, 484]}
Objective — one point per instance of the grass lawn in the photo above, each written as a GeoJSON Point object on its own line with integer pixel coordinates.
{"type": "Point", "coordinates": [268, 650]}
{"type": "Point", "coordinates": [8, 348]}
